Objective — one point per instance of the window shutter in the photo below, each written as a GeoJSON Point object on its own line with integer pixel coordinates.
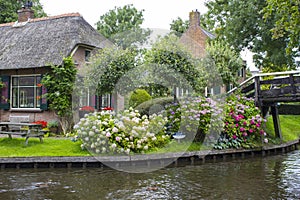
{"type": "Point", "coordinates": [5, 93]}
{"type": "Point", "coordinates": [44, 102]}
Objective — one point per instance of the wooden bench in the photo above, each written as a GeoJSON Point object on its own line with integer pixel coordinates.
{"type": "Point", "coordinates": [26, 130]}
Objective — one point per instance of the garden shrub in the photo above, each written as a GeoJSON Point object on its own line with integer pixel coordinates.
{"type": "Point", "coordinates": [242, 124]}
{"type": "Point", "coordinates": [145, 107]}
{"type": "Point", "coordinates": [138, 96]}
{"type": "Point", "coordinates": [105, 132]}
{"type": "Point", "coordinates": [195, 116]}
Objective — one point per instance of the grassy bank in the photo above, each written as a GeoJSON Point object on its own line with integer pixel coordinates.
{"type": "Point", "coordinates": [290, 127]}
{"type": "Point", "coordinates": [50, 147]}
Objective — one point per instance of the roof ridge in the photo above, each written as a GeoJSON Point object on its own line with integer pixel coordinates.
{"type": "Point", "coordinates": [75, 14]}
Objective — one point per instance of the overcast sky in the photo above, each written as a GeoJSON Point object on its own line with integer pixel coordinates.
{"type": "Point", "coordinates": [157, 14]}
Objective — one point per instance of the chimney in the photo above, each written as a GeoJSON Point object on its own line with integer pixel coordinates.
{"type": "Point", "coordinates": [194, 18]}
{"type": "Point", "coordinates": [25, 12]}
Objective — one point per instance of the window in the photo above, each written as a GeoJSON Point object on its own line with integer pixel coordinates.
{"type": "Point", "coordinates": [105, 101]}
{"type": "Point", "coordinates": [87, 55]}
{"type": "Point", "coordinates": [26, 91]}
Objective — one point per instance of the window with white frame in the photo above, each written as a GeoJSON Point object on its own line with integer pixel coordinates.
{"type": "Point", "coordinates": [26, 91]}
{"type": "Point", "coordinates": [105, 101]}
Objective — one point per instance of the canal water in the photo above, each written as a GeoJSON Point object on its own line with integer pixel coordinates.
{"type": "Point", "coordinates": [273, 177]}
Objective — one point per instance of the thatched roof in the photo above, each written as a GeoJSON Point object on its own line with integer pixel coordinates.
{"type": "Point", "coordinates": [45, 41]}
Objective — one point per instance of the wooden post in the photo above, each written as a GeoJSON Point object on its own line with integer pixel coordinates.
{"type": "Point", "coordinates": [257, 92]}
{"type": "Point", "coordinates": [276, 122]}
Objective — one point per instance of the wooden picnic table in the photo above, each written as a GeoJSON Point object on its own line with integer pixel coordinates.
{"type": "Point", "coordinates": [23, 129]}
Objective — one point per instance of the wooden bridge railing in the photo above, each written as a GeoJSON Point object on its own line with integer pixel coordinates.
{"type": "Point", "coordinates": [269, 89]}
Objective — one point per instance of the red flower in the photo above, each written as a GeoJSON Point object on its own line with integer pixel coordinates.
{"type": "Point", "coordinates": [43, 123]}
{"type": "Point", "coordinates": [87, 108]}
{"type": "Point", "coordinates": [107, 108]}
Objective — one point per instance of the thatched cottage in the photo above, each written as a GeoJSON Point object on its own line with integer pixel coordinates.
{"type": "Point", "coordinates": [29, 47]}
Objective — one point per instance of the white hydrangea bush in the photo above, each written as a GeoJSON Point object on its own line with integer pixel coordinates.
{"type": "Point", "coordinates": [127, 132]}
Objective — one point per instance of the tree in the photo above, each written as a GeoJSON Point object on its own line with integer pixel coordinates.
{"type": "Point", "coordinates": [107, 67]}
{"type": "Point", "coordinates": [9, 8]}
{"type": "Point", "coordinates": [123, 26]}
{"type": "Point", "coordinates": [242, 26]}
{"type": "Point", "coordinates": [178, 26]}
{"type": "Point", "coordinates": [168, 53]}
{"type": "Point", "coordinates": [287, 21]}
{"type": "Point", "coordinates": [60, 83]}
{"type": "Point", "coordinates": [226, 60]}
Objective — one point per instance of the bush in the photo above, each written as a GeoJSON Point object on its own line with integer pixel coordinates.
{"type": "Point", "coordinates": [103, 132]}
{"type": "Point", "coordinates": [195, 116]}
{"type": "Point", "coordinates": [146, 108]}
{"type": "Point", "coordinates": [138, 96]}
{"type": "Point", "coordinates": [243, 124]}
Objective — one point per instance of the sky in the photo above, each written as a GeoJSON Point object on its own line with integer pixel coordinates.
{"type": "Point", "coordinates": [157, 14]}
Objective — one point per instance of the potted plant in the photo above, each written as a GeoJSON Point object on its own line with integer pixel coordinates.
{"type": "Point", "coordinates": [53, 126]}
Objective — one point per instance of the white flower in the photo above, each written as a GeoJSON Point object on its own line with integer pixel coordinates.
{"type": "Point", "coordinates": [146, 147]}
{"type": "Point", "coordinates": [108, 134]}
{"type": "Point", "coordinates": [91, 133]}
{"type": "Point", "coordinates": [93, 145]}
{"type": "Point", "coordinates": [87, 139]}
{"type": "Point", "coordinates": [153, 138]}
{"type": "Point", "coordinates": [266, 140]}
{"type": "Point", "coordinates": [113, 145]}
{"type": "Point", "coordinates": [115, 130]}
{"type": "Point", "coordinates": [97, 151]}
{"type": "Point", "coordinates": [127, 151]}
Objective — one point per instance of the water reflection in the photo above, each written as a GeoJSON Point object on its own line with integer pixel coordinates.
{"type": "Point", "coordinates": [276, 177]}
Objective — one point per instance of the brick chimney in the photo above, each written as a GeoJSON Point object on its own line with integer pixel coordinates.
{"type": "Point", "coordinates": [25, 13]}
{"type": "Point", "coordinates": [194, 18]}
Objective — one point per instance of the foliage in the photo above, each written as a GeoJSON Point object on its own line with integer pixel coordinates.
{"type": "Point", "coordinates": [195, 116]}
{"type": "Point", "coordinates": [1, 84]}
{"type": "Point", "coordinates": [138, 96]}
{"type": "Point", "coordinates": [9, 8]}
{"type": "Point", "coordinates": [287, 21]}
{"type": "Point", "coordinates": [52, 124]}
{"type": "Point", "coordinates": [108, 66]}
{"type": "Point", "coordinates": [242, 123]}
{"type": "Point", "coordinates": [123, 26]}
{"type": "Point", "coordinates": [226, 60]}
{"type": "Point", "coordinates": [60, 83]}
{"type": "Point", "coordinates": [103, 132]}
{"type": "Point", "coordinates": [169, 53]}
{"type": "Point", "coordinates": [178, 26]}
{"type": "Point", "coordinates": [242, 26]}
{"type": "Point", "coordinates": [148, 107]}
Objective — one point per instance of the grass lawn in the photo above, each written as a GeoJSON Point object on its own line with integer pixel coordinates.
{"type": "Point", "coordinates": [290, 127]}
{"type": "Point", "coordinates": [50, 147]}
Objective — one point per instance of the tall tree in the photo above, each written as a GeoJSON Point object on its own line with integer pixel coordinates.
{"type": "Point", "coordinates": [241, 25]}
{"type": "Point", "coordinates": [287, 21]}
{"type": "Point", "coordinates": [9, 8]}
{"type": "Point", "coordinates": [179, 26]}
{"type": "Point", "coordinates": [123, 26]}
{"type": "Point", "coordinates": [224, 59]}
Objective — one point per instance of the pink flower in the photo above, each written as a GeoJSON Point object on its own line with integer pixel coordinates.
{"type": "Point", "coordinates": [257, 125]}
{"type": "Point", "coordinates": [237, 125]}
{"type": "Point", "coordinates": [242, 129]}
{"type": "Point", "coordinates": [245, 134]}
{"type": "Point", "coordinates": [252, 121]}
{"type": "Point", "coordinates": [250, 130]}
{"type": "Point", "coordinates": [234, 137]}
{"type": "Point", "coordinates": [108, 135]}
{"type": "Point", "coordinates": [245, 123]}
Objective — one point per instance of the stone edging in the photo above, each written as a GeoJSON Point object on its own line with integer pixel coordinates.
{"type": "Point", "coordinates": [175, 159]}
